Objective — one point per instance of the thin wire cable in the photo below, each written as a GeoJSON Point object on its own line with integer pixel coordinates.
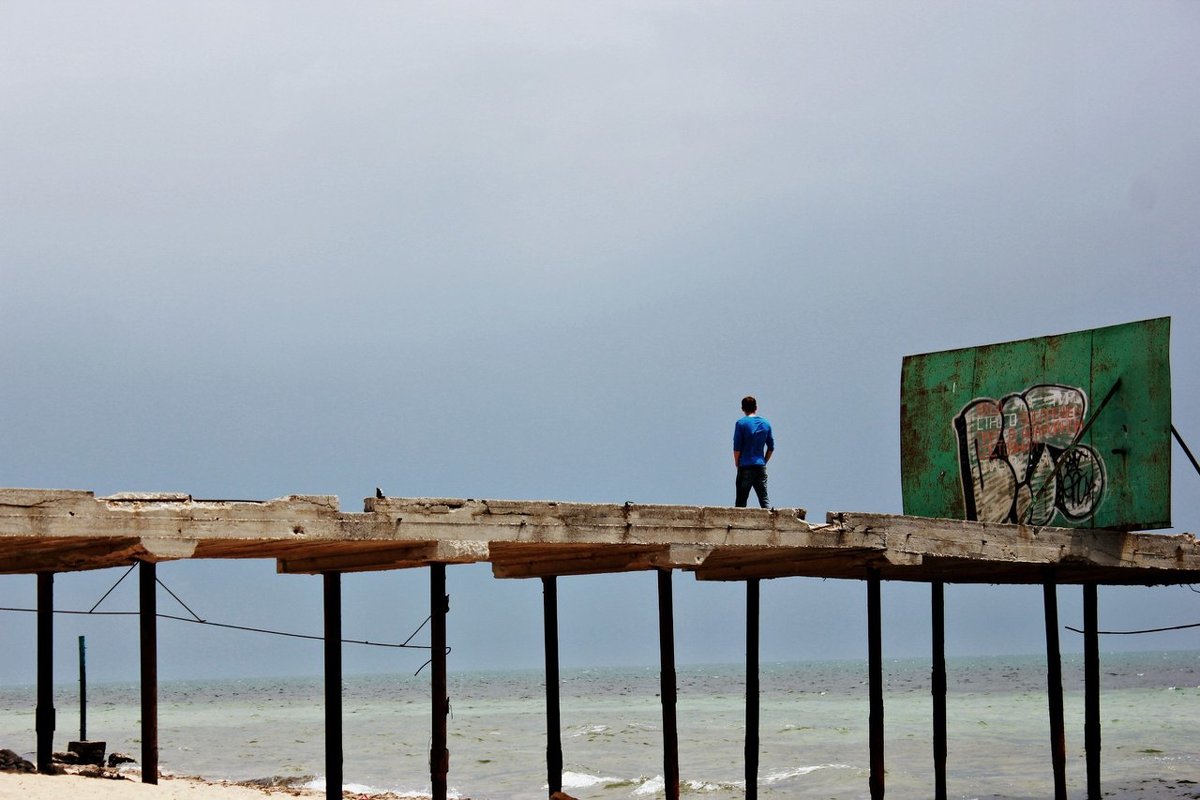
{"type": "Point", "coordinates": [1131, 633]}
{"type": "Point", "coordinates": [292, 635]}
{"type": "Point", "coordinates": [197, 620]}
{"type": "Point", "coordinates": [1187, 450]}
{"type": "Point", "coordinates": [113, 587]}
{"type": "Point", "coordinates": [177, 600]}
{"type": "Point", "coordinates": [397, 645]}
{"type": "Point", "coordinates": [420, 627]}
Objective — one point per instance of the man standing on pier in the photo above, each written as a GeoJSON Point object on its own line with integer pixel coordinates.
{"type": "Point", "coordinates": [753, 445]}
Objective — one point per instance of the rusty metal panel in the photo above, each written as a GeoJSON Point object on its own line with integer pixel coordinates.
{"type": "Point", "coordinates": [1071, 430]}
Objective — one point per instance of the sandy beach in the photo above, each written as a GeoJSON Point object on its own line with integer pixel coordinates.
{"type": "Point", "coordinates": [76, 787]}
{"type": "Point", "coordinates": [17, 786]}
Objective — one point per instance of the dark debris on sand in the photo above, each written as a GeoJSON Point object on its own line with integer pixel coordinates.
{"type": "Point", "coordinates": [11, 762]}
{"type": "Point", "coordinates": [295, 787]}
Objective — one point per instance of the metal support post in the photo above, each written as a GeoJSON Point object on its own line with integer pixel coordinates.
{"type": "Point", "coordinates": [1054, 688]}
{"type": "Point", "coordinates": [752, 688]}
{"type": "Point", "coordinates": [44, 716]}
{"type": "Point", "coordinates": [554, 753]}
{"type": "Point", "coordinates": [666, 641]}
{"type": "Point", "coordinates": [333, 685]}
{"type": "Point", "coordinates": [148, 624]}
{"type": "Point", "coordinates": [82, 689]}
{"type": "Point", "coordinates": [938, 688]}
{"type": "Point", "coordinates": [439, 755]}
{"type": "Point", "coordinates": [1091, 690]}
{"type": "Point", "coordinates": [875, 679]}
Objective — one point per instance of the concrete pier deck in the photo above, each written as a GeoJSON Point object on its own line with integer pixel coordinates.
{"type": "Point", "coordinates": [46, 530]}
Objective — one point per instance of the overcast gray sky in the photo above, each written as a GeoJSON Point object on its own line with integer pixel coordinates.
{"type": "Point", "coordinates": [540, 250]}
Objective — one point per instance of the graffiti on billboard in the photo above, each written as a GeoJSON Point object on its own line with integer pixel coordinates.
{"type": "Point", "coordinates": [1019, 459]}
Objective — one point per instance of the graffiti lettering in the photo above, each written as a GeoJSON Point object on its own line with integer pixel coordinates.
{"type": "Point", "coordinates": [1019, 461]}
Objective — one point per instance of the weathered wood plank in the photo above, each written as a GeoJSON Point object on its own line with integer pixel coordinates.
{"type": "Point", "coordinates": [63, 530]}
{"type": "Point", "coordinates": [1011, 553]}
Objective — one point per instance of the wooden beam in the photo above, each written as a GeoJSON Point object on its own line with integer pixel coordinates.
{"type": "Point", "coordinates": [543, 562]}
{"type": "Point", "coordinates": [36, 554]}
{"type": "Point", "coordinates": [1025, 546]}
{"type": "Point", "coordinates": [740, 564]}
{"type": "Point", "coordinates": [629, 523]}
{"type": "Point", "coordinates": [359, 558]}
{"type": "Point", "coordinates": [511, 560]}
{"type": "Point", "coordinates": [51, 530]}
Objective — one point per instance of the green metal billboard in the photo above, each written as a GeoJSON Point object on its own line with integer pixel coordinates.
{"type": "Point", "coordinates": [1071, 430]}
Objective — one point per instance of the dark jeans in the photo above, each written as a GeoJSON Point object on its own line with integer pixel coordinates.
{"type": "Point", "coordinates": [751, 478]}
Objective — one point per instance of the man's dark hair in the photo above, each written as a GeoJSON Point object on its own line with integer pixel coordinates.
{"type": "Point", "coordinates": [749, 404]}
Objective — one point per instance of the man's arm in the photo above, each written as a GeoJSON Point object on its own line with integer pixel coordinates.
{"type": "Point", "coordinates": [737, 444]}
{"type": "Point", "coordinates": [767, 457]}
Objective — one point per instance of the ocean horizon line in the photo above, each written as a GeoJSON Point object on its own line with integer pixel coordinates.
{"type": "Point", "coordinates": [567, 671]}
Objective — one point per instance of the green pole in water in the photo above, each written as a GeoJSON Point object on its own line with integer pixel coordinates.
{"type": "Point", "coordinates": [82, 689]}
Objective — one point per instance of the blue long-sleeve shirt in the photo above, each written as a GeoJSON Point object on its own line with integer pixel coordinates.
{"type": "Point", "coordinates": [751, 440]}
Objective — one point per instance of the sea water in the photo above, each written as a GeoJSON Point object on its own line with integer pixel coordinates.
{"type": "Point", "coordinates": [813, 729]}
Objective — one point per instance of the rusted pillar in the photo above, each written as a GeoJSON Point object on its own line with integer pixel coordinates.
{"type": "Point", "coordinates": [938, 687]}
{"type": "Point", "coordinates": [44, 715]}
{"type": "Point", "coordinates": [1091, 690]}
{"type": "Point", "coordinates": [1054, 689]}
{"type": "Point", "coordinates": [439, 755]}
{"type": "Point", "coordinates": [752, 688]}
{"type": "Point", "coordinates": [554, 753]}
{"type": "Point", "coordinates": [875, 679]}
{"type": "Point", "coordinates": [148, 624]}
{"type": "Point", "coordinates": [666, 642]}
{"type": "Point", "coordinates": [333, 685]}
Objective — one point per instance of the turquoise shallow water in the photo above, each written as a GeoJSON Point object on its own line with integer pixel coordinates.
{"type": "Point", "coordinates": [813, 730]}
